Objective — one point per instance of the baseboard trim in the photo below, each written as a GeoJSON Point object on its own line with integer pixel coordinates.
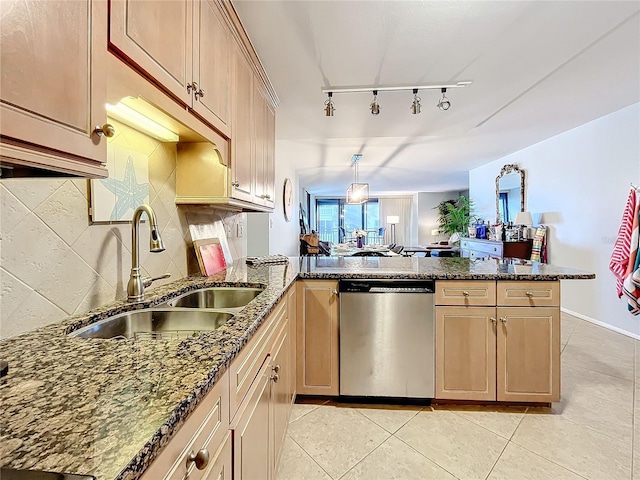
{"type": "Point", "coordinates": [599, 323]}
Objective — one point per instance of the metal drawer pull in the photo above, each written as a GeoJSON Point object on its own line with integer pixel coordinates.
{"type": "Point", "coordinates": [465, 293]}
{"type": "Point", "coordinates": [503, 320]}
{"type": "Point", "coordinates": [493, 320]}
{"type": "Point", "coordinates": [201, 459]}
{"type": "Point", "coordinates": [276, 369]}
{"type": "Point", "coordinates": [235, 183]}
{"type": "Point", "coordinates": [529, 294]}
{"type": "Point", "coordinates": [335, 292]}
{"type": "Point", "coordinates": [275, 378]}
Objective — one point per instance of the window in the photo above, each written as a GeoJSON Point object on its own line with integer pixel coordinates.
{"type": "Point", "coordinates": [335, 219]}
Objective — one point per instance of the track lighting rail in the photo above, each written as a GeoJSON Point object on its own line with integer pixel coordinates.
{"type": "Point", "coordinates": [391, 88]}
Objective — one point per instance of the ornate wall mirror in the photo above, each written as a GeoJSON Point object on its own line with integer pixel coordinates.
{"type": "Point", "coordinates": [509, 193]}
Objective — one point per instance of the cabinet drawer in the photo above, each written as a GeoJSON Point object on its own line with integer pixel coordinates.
{"type": "Point", "coordinates": [205, 428]}
{"type": "Point", "coordinates": [466, 292]}
{"type": "Point", "coordinates": [220, 465]}
{"type": "Point", "coordinates": [245, 367]}
{"type": "Point", "coordinates": [494, 249]}
{"type": "Point", "coordinates": [528, 294]}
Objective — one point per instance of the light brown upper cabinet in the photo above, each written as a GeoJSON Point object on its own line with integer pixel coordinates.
{"type": "Point", "coordinates": [183, 46]}
{"type": "Point", "coordinates": [53, 86]}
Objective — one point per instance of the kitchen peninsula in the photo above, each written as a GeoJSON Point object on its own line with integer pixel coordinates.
{"type": "Point", "coordinates": [108, 407]}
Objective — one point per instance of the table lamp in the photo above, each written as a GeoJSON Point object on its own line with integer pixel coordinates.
{"type": "Point", "coordinates": [393, 220]}
{"type": "Point", "coordinates": [524, 219]}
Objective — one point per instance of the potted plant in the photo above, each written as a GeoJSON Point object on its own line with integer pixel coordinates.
{"type": "Point", "coordinates": [455, 216]}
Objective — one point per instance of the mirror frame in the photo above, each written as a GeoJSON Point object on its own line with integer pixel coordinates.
{"type": "Point", "coordinates": [509, 168]}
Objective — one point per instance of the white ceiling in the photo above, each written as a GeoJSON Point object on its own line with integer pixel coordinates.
{"type": "Point", "coordinates": [539, 68]}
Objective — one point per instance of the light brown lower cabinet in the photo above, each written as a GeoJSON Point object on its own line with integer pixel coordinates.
{"type": "Point", "coordinates": [498, 353]}
{"type": "Point", "coordinates": [260, 424]}
{"type": "Point", "coordinates": [317, 366]}
{"type": "Point", "coordinates": [205, 434]}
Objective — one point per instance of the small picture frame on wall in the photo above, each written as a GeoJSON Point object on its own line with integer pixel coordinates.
{"type": "Point", "coordinates": [210, 256]}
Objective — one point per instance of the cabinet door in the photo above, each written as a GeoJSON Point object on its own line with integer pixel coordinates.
{"type": "Point", "coordinates": [53, 78]}
{"type": "Point", "coordinates": [270, 156]}
{"type": "Point", "coordinates": [465, 353]}
{"type": "Point", "coordinates": [251, 443]}
{"type": "Point", "coordinates": [259, 129]}
{"type": "Point", "coordinates": [155, 36]}
{"type": "Point", "coordinates": [220, 467]}
{"type": "Point", "coordinates": [292, 309]}
{"type": "Point", "coordinates": [242, 172]}
{"type": "Point", "coordinates": [528, 354]}
{"type": "Point", "coordinates": [317, 337]}
{"type": "Point", "coordinates": [212, 64]}
{"type": "Point", "coordinates": [280, 389]}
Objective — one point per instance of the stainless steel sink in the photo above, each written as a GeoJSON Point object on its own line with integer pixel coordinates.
{"type": "Point", "coordinates": [155, 323]}
{"type": "Point", "coordinates": [216, 297]}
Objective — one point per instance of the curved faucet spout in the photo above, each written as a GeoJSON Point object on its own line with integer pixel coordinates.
{"type": "Point", "coordinates": [135, 287]}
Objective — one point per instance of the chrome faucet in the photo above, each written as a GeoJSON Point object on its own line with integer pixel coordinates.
{"type": "Point", "coordinates": [137, 283]}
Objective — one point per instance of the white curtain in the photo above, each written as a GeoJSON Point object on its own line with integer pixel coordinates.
{"type": "Point", "coordinates": [400, 207]}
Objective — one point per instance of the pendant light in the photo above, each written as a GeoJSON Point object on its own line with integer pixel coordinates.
{"type": "Point", "coordinates": [357, 192]}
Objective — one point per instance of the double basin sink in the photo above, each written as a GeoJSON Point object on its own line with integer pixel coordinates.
{"type": "Point", "coordinates": [188, 315]}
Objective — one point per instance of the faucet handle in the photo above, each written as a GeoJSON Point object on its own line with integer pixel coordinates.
{"type": "Point", "coordinates": [146, 281]}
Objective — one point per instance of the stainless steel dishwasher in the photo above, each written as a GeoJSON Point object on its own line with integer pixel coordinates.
{"type": "Point", "coordinates": [387, 338]}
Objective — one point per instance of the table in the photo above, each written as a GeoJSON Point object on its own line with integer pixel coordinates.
{"type": "Point", "coordinates": [351, 251]}
{"type": "Point", "coordinates": [427, 249]}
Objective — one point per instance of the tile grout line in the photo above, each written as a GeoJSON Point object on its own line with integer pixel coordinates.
{"type": "Point", "coordinates": [366, 456]}
{"type": "Point", "coordinates": [308, 455]}
{"type": "Point", "coordinates": [423, 455]}
{"type": "Point", "coordinates": [534, 453]}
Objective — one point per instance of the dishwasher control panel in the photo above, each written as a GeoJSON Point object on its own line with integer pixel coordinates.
{"type": "Point", "coordinates": [387, 286]}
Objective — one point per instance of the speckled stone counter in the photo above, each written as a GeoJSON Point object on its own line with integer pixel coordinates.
{"type": "Point", "coordinates": [454, 268]}
{"type": "Point", "coordinates": [106, 407]}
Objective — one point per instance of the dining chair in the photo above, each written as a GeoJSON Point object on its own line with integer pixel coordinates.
{"type": "Point", "coordinates": [380, 237]}
{"type": "Point", "coordinates": [397, 249]}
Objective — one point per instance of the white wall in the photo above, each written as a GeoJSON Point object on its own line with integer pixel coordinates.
{"type": "Point", "coordinates": [284, 236]}
{"type": "Point", "coordinates": [577, 184]}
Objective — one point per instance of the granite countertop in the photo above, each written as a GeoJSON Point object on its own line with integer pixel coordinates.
{"type": "Point", "coordinates": [452, 268]}
{"type": "Point", "coordinates": [106, 407]}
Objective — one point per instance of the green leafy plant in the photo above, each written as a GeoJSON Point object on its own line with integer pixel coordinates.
{"type": "Point", "coordinates": [454, 216]}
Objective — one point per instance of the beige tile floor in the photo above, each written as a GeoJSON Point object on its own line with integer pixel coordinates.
{"type": "Point", "coordinates": [591, 433]}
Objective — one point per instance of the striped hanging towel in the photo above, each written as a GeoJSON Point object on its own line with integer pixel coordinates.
{"type": "Point", "coordinates": [630, 288]}
{"type": "Point", "coordinates": [622, 247]}
{"type": "Point", "coordinates": [538, 253]}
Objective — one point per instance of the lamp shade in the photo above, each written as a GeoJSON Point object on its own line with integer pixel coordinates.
{"type": "Point", "coordinates": [523, 218]}
{"type": "Point", "coordinates": [393, 219]}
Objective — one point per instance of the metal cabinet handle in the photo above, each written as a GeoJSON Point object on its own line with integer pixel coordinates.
{"type": "Point", "coordinates": [235, 183]}
{"type": "Point", "coordinates": [199, 93]}
{"type": "Point", "coordinates": [335, 292]}
{"type": "Point", "coordinates": [529, 294]}
{"type": "Point", "coordinates": [276, 368]}
{"type": "Point", "coordinates": [465, 293]}
{"type": "Point", "coordinates": [201, 459]}
{"type": "Point", "coordinates": [192, 86]}
{"type": "Point", "coordinates": [275, 378]}
{"type": "Point", "coordinates": [105, 130]}
{"type": "Point", "coordinates": [493, 320]}
{"type": "Point", "coordinates": [503, 320]}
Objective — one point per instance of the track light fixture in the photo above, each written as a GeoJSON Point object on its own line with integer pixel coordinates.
{"type": "Point", "coordinates": [415, 105]}
{"type": "Point", "coordinates": [444, 102]}
{"type": "Point", "coordinates": [375, 106]}
{"type": "Point", "coordinates": [328, 105]}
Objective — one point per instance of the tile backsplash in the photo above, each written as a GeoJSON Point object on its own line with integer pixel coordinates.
{"type": "Point", "coordinates": [53, 263]}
